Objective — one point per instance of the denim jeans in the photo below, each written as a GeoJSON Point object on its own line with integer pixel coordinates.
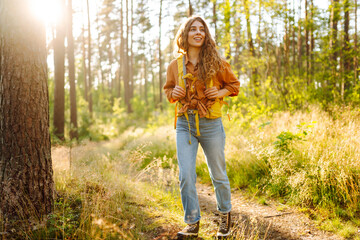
{"type": "Point", "coordinates": [212, 141]}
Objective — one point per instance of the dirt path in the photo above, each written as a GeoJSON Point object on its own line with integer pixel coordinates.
{"type": "Point", "coordinates": [252, 218]}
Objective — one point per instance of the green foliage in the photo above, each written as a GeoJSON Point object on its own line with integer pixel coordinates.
{"type": "Point", "coordinates": [64, 221]}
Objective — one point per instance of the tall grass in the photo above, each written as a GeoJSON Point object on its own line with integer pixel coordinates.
{"type": "Point", "coordinates": [309, 158]}
{"type": "Point", "coordinates": [106, 193]}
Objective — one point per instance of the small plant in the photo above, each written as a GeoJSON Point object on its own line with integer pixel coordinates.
{"type": "Point", "coordinates": [285, 138]}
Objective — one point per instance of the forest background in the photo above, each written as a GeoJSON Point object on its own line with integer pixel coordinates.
{"type": "Point", "coordinates": [294, 128]}
{"type": "Point", "coordinates": [287, 55]}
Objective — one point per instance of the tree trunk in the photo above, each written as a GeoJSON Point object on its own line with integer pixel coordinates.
{"type": "Point", "coordinates": [312, 42]}
{"type": "Point", "coordinates": [346, 46]}
{"type": "Point", "coordinates": [122, 61]}
{"type": "Point", "coordinates": [214, 20]}
{"type": "Point", "coordinates": [334, 17]}
{"type": "Point", "coordinates": [190, 10]}
{"type": "Point", "coordinates": [26, 177]}
{"type": "Point", "coordinates": [254, 74]}
{"type": "Point", "coordinates": [307, 41]}
{"type": "Point", "coordinates": [126, 77]}
{"type": "Point", "coordinates": [131, 73]}
{"type": "Point", "coordinates": [70, 54]}
{"type": "Point", "coordinates": [286, 44]}
{"type": "Point", "coordinates": [293, 38]}
{"type": "Point", "coordinates": [356, 49]}
{"type": "Point", "coordinates": [160, 59]}
{"type": "Point", "coordinates": [299, 43]}
{"type": "Point", "coordinates": [59, 91]}
{"type": "Point", "coordinates": [227, 37]}
{"type": "Point", "coordinates": [89, 61]}
{"type": "Point", "coordinates": [101, 54]}
{"type": "Point", "coordinates": [146, 81]}
{"type": "Point", "coordinates": [83, 50]}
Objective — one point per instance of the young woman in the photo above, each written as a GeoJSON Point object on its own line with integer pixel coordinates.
{"type": "Point", "coordinates": [197, 81]}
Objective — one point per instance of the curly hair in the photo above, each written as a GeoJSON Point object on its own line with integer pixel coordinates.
{"type": "Point", "coordinates": [210, 61]}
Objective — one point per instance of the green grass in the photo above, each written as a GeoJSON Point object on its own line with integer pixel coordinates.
{"type": "Point", "coordinates": [127, 188]}
{"type": "Point", "coordinates": [305, 158]}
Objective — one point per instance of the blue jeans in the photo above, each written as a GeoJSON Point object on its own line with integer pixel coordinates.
{"type": "Point", "coordinates": [212, 141]}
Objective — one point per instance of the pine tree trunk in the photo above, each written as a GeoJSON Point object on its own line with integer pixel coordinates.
{"type": "Point", "coordinates": [307, 42]}
{"type": "Point", "coordinates": [26, 177]}
{"type": "Point", "coordinates": [334, 17]}
{"type": "Point", "coordinates": [254, 74]}
{"type": "Point", "coordinates": [101, 54]}
{"type": "Point", "coordinates": [293, 37]}
{"type": "Point", "coordinates": [227, 18]}
{"type": "Point", "coordinates": [83, 51]}
{"type": "Point", "coordinates": [122, 61]}
{"type": "Point", "coordinates": [346, 46]}
{"type": "Point", "coordinates": [356, 63]}
{"type": "Point", "coordinates": [190, 9]}
{"type": "Point", "coordinates": [126, 77]}
{"type": "Point", "coordinates": [70, 54]}
{"type": "Point", "coordinates": [214, 20]}
{"type": "Point", "coordinates": [131, 73]}
{"type": "Point", "coordinates": [89, 61]}
{"type": "Point", "coordinates": [160, 59]}
{"type": "Point", "coordinates": [286, 43]}
{"type": "Point", "coordinates": [59, 91]}
{"type": "Point", "coordinates": [299, 43]}
{"type": "Point", "coordinates": [312, 42]}
{"type": "Point", "coordinates": [146, 82]}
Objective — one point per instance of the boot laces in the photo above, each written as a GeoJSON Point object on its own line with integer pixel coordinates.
{"type": "Point", "coordinates": [223, 221]}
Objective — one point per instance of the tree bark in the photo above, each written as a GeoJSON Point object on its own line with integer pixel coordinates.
{"type": "Point", "coordinates": [160, 59]}
{"type": "Point", "coordinates": [70, 54]}
{"type": "Point", "coordinates": [126, 77]}
{"type": "Point", "coordinates": [254, 74]}
{"type": "Point", "coordinates": [312, 42]}
{"type": "Point", "coordinates": [299, 42]}
{"type": "Point", "coordinates": [83, 50]}
{"type": "Point", "coordinates": [227, 37]}
{"type": "Point", "coordinates": [89, 61]}
{"type": "Point", "coordinates": [214, 20]}
{"type": "Point", "coordinates": [346, 46]}
{"type": "Point", "coordinates": [101, 54]}
{"type": "Point", "coordinates": [59, 91]}
{"type": "Point", "coordinates": [334, 17]}
{"type": "Point", "coordinates": [122, 61]}
{"type": "Point", "coordinates": [307, 41]}
{"type": "Point", "coordinates": [356, 48]}
{"type": "Point", "coordinates": [190, 10]}
{"type": "Point", "coordinates": [26, 177]}
{"type": "Point", "coordinates": [131, 73]}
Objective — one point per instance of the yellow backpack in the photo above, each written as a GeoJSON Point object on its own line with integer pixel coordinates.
{"type": "Point", "coordinates": [213, 112]}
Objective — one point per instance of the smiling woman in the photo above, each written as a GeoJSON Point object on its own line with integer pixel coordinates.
{"type": "Point", "coordinates": [49, 11]}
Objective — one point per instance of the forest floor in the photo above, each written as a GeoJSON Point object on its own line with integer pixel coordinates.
{"type": "Point", "coordinates": [252, 219]}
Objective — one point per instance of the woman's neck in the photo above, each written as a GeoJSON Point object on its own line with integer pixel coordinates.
{"type": "Point", "coordinates": [193, 55]}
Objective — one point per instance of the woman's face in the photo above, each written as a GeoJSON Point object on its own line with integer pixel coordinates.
{"type": "Point", "coordinates": [196, 36]}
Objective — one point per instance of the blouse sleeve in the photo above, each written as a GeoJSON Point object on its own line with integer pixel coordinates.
{"type": "Point", "coordinates": [229, 80]}
{"type": "Point", "coordinates": [170, 80]}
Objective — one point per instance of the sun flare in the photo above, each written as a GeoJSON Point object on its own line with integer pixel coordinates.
{"type": "Point", "coordinates": [48, 11]}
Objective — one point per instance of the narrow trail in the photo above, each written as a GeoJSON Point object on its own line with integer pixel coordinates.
{"type": "Point", "coordinates": [251, 220]}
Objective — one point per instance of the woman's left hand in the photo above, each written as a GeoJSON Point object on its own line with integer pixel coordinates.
{"type": "Point", "coordinates": [211, 93]}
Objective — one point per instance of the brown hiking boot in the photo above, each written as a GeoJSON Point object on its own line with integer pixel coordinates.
{"type": "Point", "coordinates": [190, 230]}
{"type": "Point", "coordinates": [225, 224]}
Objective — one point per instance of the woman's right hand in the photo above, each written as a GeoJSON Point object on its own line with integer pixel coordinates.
{"type": "Point", "coordinates": [178, 93]}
